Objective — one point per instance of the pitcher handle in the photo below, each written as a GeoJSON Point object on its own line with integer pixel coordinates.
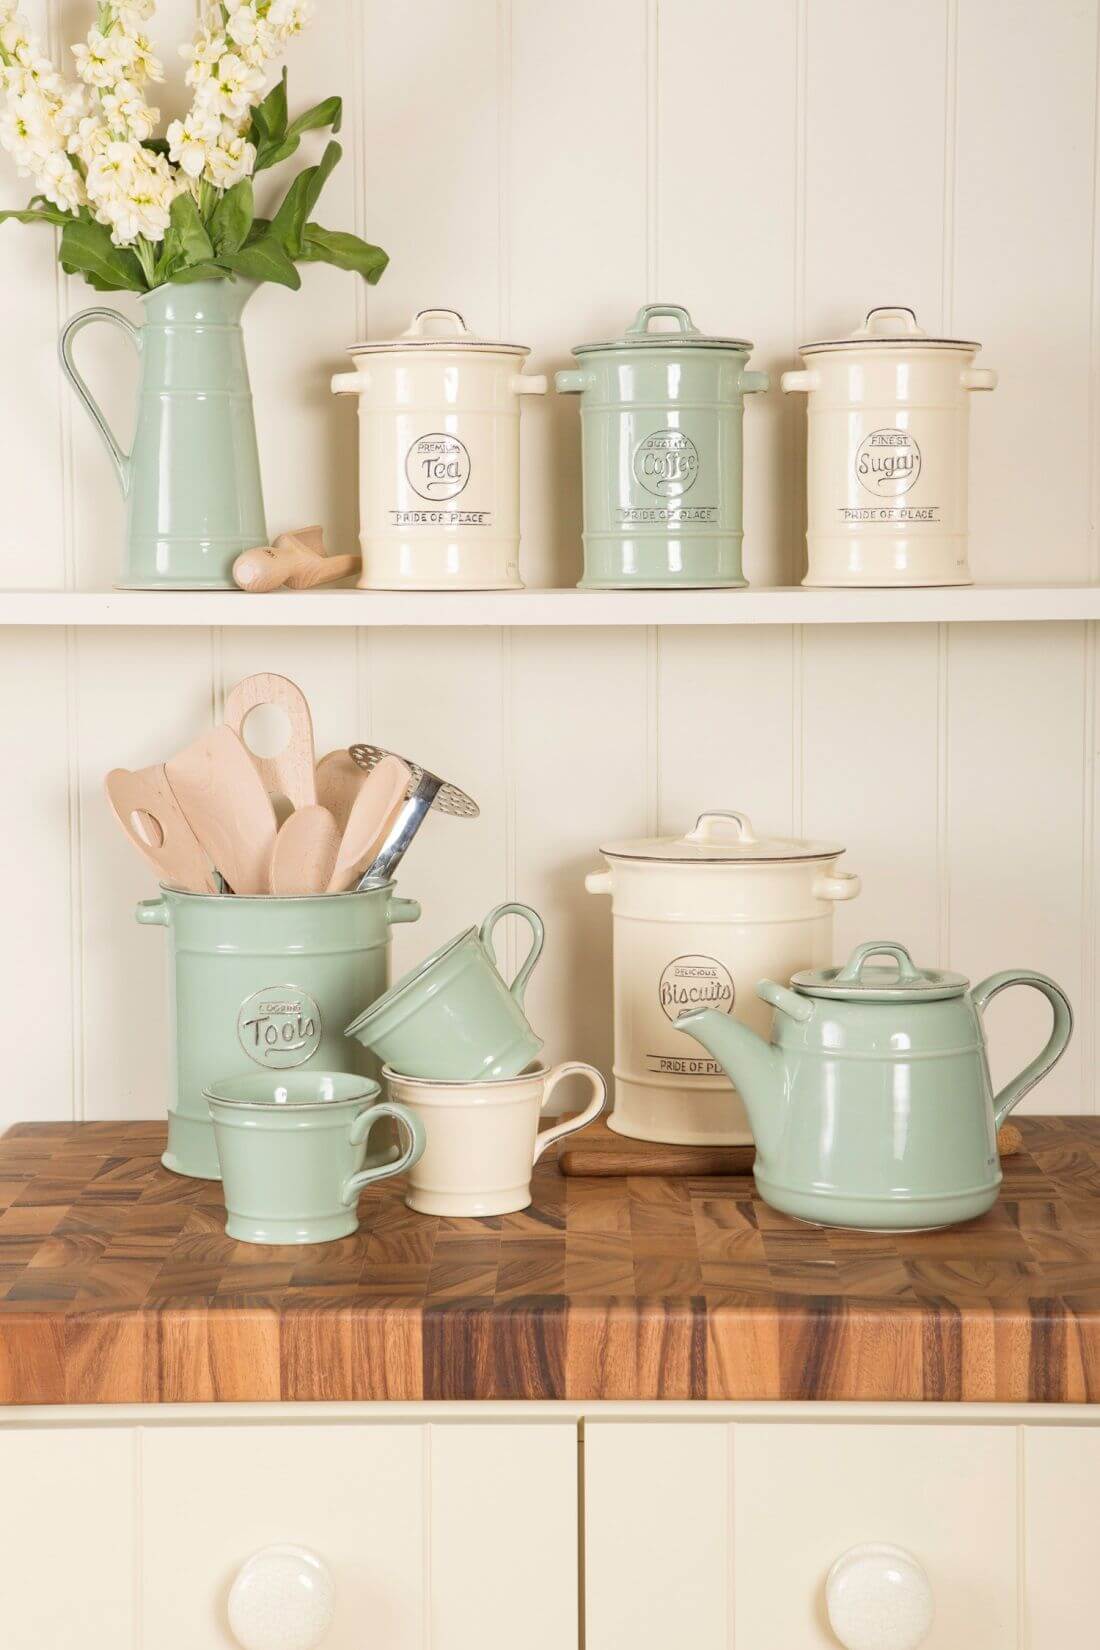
{"type": "Point", "coordinates": [595, 1106]}
{"type": "Point", "coordinates": [1060, 1033]}
{"type": "Point", "coordinates": [538, 935]}
{"type": "Point", "coordinates": [83, 318]}
{"type": "Point", "coordinates": [415, 1139]}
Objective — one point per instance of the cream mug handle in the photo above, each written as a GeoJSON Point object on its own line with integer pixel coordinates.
{"type": "Point", "coordinates": [415, 1141]}
{"type": "Point", "coordinates": [538, 936]}
{"type": "Point", "coordinates": [556, 1074]}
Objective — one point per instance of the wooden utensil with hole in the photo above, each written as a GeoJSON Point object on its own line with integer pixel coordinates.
{"type": "Point", "coordinates": [376, 802]}
{"type": "Point", "coordinates": [290, 773]}
{"type": "Point", "coordinates": [304, 856]}
{"type": "Point", "coordinates": [223, 797]}
{"type": "Point", "coordinates": [338, 781]}
{"type": "Point", "coordinates": [153, 821]}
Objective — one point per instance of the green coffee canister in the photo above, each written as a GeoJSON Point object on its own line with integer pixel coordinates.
{"type": "Point", "coordinates": [266, 984]}
{"type": "Point", "coordinates": [661, 417]}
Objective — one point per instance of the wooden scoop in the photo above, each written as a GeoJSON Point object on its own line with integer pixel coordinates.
{"type": "Point", "coordinates": [217, 786]}
{"type": "Point", "coordinates": [377, 801]}
{"type": "Point", "coordinates": [290, 773]}
{"type": "Point", "coordinates": [304, 855]}
{"type": "Point", "coordinates": [296, 560]}
{"type": "Point", "coordinates": [151, 818]}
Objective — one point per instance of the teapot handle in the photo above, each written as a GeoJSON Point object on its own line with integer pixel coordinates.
{"type": "Point", "coordinates": [1060, 1033]}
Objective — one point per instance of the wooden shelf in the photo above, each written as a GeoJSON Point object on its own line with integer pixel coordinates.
{"type": "Point", "coordinates": [979, 604]}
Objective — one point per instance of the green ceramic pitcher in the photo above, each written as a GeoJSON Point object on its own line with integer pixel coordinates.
{"type": "Point", "coordinates": [191, 479]}
{"type": "Point", "coordinates": [872, 1104]}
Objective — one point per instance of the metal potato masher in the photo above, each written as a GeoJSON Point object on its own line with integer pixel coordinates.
{"type": "Point", "coordinates": [426, 790]}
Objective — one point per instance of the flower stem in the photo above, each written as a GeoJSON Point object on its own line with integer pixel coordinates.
{"type": "Point", "coordinates": [146, 258]}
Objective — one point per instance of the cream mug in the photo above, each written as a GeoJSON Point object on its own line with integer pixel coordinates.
{"type": "Point", "coordinates": [483, 1138]}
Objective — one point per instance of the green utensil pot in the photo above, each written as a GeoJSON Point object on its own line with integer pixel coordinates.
{"type": "Point", "coordinates": [661, 416]}
{"type": "Point", "coordinates": [266, 984]}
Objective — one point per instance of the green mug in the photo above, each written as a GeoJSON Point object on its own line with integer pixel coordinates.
{"type": "Point", "coordinates": [453, 1018]}
{"type": "Point", "coordinates": [292, 1147]}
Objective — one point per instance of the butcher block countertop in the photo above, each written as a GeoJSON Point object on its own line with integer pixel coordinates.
{"type": "Point", "coordinates": [118, 1285]}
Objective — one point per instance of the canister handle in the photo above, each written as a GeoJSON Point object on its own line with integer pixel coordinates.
{"type": "Point", "coordinates": [598, 882]}
{"type": "Point", "coordinates": [152, 913]}
{"type": "Point", "coordinates": [674, 312]}
{"type": "Point", "coordinates": [346, 383]}
{"type": "Point", "coordinates": [533, 383]}
{"type": "Point", "coordinates": [978, 378]}
{"type": "Point", "coordinates": [852, 972]}
{"type": "Point", "coordinates": [704, 832]}
{"type": "Point", "coordinates": [417, 330]}
{"type": "Point", "coordinates": [572, 382]}
{"type": "Point", "coordinates": [837, 885]}
{"type": "Point", "coordinates": [804, 381]}
{"type": "Point", "coordinates": [1060, 1032]}
{"type": "Point", "coordinates": [750, 382]}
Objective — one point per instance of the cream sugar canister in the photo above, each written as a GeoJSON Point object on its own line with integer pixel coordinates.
{"type": "Point", "coordinates": [439, 456]}
{"type": "Point", "coordinates": [889, 412]}
{"type": "Point", "coordinates": [696, 921]}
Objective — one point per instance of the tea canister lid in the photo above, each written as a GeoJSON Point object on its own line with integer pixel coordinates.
{"type": "Point", "coordinates": [437, 329]}
{"type": "Point", "coordinates": [638, 335]}
{"type": "Point", "coordinates": [891, 324]}
{"type": "Point", "coordinates": [720, 838]}
{"type": "Point", "coordinates": [901, 982]}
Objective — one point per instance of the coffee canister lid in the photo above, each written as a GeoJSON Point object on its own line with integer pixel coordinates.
{"type": "Point", "coordinates": [720, 838]}
{"type": "Point", "coordinates": [898, 982]}
{"type": "Point", "coordinates": [891, 324]}
{"type": "Point", "coordinates": [684, 334]}
{"type": "Point", "coordinates": [437, 329]}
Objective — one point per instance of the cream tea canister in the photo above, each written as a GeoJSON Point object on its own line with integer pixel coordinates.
{"type": "Point", "coordinates": [889, 411]}
{"type": "Point", "coordinates": [439, 456]}
{"type": "Point", "coordinates": [696, 921]}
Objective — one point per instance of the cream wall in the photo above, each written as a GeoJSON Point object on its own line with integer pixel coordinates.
{"type": "Point", "coordinates": [777, 165]}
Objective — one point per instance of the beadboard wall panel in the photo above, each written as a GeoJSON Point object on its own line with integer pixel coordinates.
{"type": "Point", "coordinates": [547, 170]}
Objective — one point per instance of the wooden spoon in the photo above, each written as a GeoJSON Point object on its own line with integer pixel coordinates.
{"type": "Point", "coordinates": [377, 800]}
{"type": "Point", "coordinates": [339, 780]}
{"type": "Point", "coordinates": [290, 773]}
{"type": "Point", "coordinates": [304, 856]}
{"type": "Point", "coordinates": [219, 789]}
{"type": "Point", "coordinates": [151, 818]}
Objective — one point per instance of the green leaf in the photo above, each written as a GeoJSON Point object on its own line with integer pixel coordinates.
{"type": "Point", "coordinates": [87, 249]}
{"type": "Point", "coordinates": [193, 245]}
{"type": "Point", "coordinates": [264, 260]}
{"type": "Point", "coordinates": [270, 154]}
{"type": "Point", "coordinates": [336, 246]}
{"type": "Point", "coordinates": [231, 219]}
{"type": "Point", "coordinates": [269, 118]}
{"type": "Point", "coordinates": [39, 214]}
{"type": "Point", "coordinates": [200, 272]}
{"type": "Point", "coordinates": [289, 223]}
{"type": "Point", "coordinates": [329, 112]}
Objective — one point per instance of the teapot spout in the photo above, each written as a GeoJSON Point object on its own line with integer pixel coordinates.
{"type": "Point", "coordinates": [755, 1067]}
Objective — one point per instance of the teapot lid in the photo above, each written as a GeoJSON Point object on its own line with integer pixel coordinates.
{"type": "Point", "coordinates": [721, 837]}
{"type": "Point", "coordinates": [638, 335]}
{"type": "Point", "coordinates": [904, 982]}
{"type": "Point", "coordinates": [893, 324]}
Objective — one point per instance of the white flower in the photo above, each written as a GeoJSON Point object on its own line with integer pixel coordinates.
{"type": "Point", "coordinates": [132, 190]}
{"type": "Point", "coordinates": [242, 24]}
{"type": "Point", "coordinates": [105, 58]}
{"type": "Point", "coordinates": [90, 139]}
{"type": "Point", "coordinates": [144, 63]}
{"type": "Point", "coordinates": [232, 92]}
{"type": "Point", "coordinates": [132, 12]}
{"type": "Point", "coordinates": [127, 112]}
{"type": "Point", "coordinates": [289, 17]}
{"type": "Point", "coordinates": [61, 183]}
{"type": "Point", "coordinates": [190, 141]}
{"type": "Point", "coordinates": [230, 161]}
{"type": "Point", "coordinates": [203, 55]}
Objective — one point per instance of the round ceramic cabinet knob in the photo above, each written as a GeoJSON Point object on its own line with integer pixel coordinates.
{"type": "Point", "coordinates": [283, 1598]}
{"type": "Point", "coordinates": [879, 1598]}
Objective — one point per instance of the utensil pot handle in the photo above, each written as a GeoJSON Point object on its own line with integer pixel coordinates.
{"type": "Point", "coordinates": [410, 1127]}
{"type": "Point", "coordinates": [538, 936]}
{"type": "Point", "coordinates": [85, 317]}
{"type": "Point", "coordinates": [1060, 1032]}
{"type": "Point", "coordinates": [593, 1109]}
{"type": "Point", "coordinates": [151, 912]}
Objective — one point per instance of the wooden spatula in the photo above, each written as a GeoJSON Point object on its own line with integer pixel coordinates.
{"type": "Point", "coordinates": [290, 773]}
{"type": "Point", "coordinates": [151, 818]}
{"type": "Point", "coordinates": [377, 800]}
{"type": "Point", "coordinates": [339, 780]}
{"type": "Point", "coordinates": [304, 856]}
{"type": "Point", "coordinates": [219, 789]}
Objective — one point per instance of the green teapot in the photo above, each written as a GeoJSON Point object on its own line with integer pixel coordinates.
{"type": "Point", "coordinates": [872, 1104]}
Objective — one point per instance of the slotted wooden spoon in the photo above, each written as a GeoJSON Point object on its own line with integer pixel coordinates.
{"type": "Point", "coordinates": [219, 789]}
{"type": "Point", "coordinates": [290, 773]}
{"type": "Point", "coordinates": [153, 821]}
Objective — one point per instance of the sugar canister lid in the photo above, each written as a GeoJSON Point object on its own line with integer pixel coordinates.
{"type": "Point", "coordinates": [891, 324]}
{"type": "Point", "coordinates": [723, 837]}
{"type": "Point", "coordinates": [899, 982]}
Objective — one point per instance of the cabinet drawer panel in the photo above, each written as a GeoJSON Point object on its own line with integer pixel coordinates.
{"type": "Point", "coordinates": [805, 1494]}
{"type": "Point", "coordinates": [67, 1534]}
{"type": "Point", "coordinates": [657, 1537]}
{"type": "Point", "coordinates": [354, 1496]}
{"type": "Point", "coordinates": [1062, 1518]}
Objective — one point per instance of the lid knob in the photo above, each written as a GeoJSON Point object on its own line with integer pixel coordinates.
{"type": "Point", "coordinates": [887, 321]}
{"type": "Point", "coordinates": [675, 312]}
{"type": "Point", "coordinates": [455, 325]}
{"type": "Point", "coordinates": [852, 972]}
{"type": "Point", "coordinates": [708, 828]}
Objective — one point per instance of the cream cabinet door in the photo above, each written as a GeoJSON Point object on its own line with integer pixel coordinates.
{"type": "Point", "coordinates": [713, 1535]}
{"type": "Point", "coordinates": [397, 1536]}
{"type": "Point", "coordinates": [67, 1538]}
{"type": "Point", "coordinates": [1062, 1536]}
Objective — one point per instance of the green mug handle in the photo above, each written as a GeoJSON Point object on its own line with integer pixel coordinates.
{"type": "Point", "coordinates": [415, 1138]}
{"type": "Point", "coordinates": [152, 912]}
{"type": "Point", "coordinates": [538, 936]}
{"type": "Point", "coordinates": [1060, 1033]}
{"type": "Point", "coordinates": [121, 460]}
